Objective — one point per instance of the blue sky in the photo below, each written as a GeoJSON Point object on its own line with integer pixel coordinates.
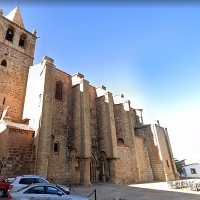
{"type": "Point", "coordinates": [148, 52]}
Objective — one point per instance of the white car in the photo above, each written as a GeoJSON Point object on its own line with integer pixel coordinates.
{"type": "Point", "coordinates": [44, 191]}
{"type": "Point", "coordinates": [25, 180]}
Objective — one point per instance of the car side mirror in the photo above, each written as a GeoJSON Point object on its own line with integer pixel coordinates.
{"type": "Point", "coordinates": [67, 192]}
{"type": "Point", "coordinates": [59, 193]}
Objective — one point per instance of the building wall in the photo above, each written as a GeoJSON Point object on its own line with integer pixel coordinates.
{"type": "Point", "coordinates": [194, 167]}
{"type": "Point", "coordinates": [153, 152]}
{"type": "Point", "coordinates": [61, 126]}
{"type": "Point", "coordinates": [145, 170]}
{"type": "Point", "coordinates": [17, 152]}
{"type": "Point", "coordinates": [125, 168]}
{"type": "Point", "coordinates": [125, 133]}
{"type": "Point", "coordinates": [161, 139]}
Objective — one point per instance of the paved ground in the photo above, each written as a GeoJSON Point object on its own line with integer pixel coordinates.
{"type": "Point", "coordinates": [145, 191]}
{"type": "Point", "coordinates": [148, 191]}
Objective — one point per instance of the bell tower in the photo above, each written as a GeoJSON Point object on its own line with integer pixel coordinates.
{"type": "Point", "coordinates": [17, 47]}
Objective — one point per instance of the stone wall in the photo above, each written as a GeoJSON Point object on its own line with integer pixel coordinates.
{"type": "Point", "coordinates": [153, 152]}
{"type": "Point", "coordinates": [125, 134]}
{"type": "Point", "coordinates": [145, 171]}
{"type": "Point", "coordinates": [165, 151]}
{"type": "Point", "coordinates": [61, 126]}
{"type": "Point", "coordinates": [125, 172]}
{"type": "Point", "coordinates": [17, 152]}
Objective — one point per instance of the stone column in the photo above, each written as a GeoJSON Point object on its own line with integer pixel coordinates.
{"type": "Point", "coordinates": [107, 130]}
{"type": "Point", "coordinates": [85, 172]}
{"type": "Point", "coordinates": [173, 165]}
{"type": "Point", "coordinates": [112, 166]}
{"type": "Point", "coordinates": [81, 124]}
{"type": "Point", "coordinates": [44, 129]}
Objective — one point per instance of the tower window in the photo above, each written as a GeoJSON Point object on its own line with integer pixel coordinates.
{"type": "Point", "coordinates": [58, 94]}
{"type": "Point", "coordinates": [22, 40]}
{"type": "Point", "coordinates": [55, 148]}
{"type": "Point", "coordinates": [4, 63]}
{"type": "Point", "coordinates": [4, 99]}
{"type": "Point", "coordinates": [9, 34]}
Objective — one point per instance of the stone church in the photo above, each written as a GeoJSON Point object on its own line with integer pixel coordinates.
{"type": "Point", "coordinates": [58, 125]}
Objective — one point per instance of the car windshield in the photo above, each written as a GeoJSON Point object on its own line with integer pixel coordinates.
{"type": "Point", "coordinates": [47, 180]}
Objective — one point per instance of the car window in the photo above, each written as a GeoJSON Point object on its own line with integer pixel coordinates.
{"type": "Point", "coordinates": [22, 181]}
{"type": "Point", "coordinates": [26, 181]}
{"type": "Point", "coordinates": [35, 190]}
{"type": "Point", "coordinates": [40, 180]}
{"type": "Point", "coordinates": [52, 190]}
{"type": "Point", "coordinates": [9, 180]}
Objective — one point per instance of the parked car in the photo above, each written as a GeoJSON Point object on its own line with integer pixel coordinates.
{"type": "Point", "coordinates": [5, 182]}
{"type": "Point", "coordinates": [25, 180]}
{"type": "Point", "coordinates": [44, 191]}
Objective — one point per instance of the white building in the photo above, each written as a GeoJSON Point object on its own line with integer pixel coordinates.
{"type": "Point", "coordinates": [192, 170]}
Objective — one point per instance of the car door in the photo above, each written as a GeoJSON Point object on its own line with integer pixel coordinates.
{"type": "Point", "coordinates": [52, 193]}
{"type": "Point", "coordinates": [22, 183]}
{"type": "Point", "coordinates": [37, 193]}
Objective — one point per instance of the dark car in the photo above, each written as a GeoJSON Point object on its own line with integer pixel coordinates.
{"type": "Point", "coordinates": [5, 182]}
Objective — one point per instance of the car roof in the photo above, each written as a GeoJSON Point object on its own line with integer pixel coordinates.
{"type": "Point", "coordinates": [43, 184]}
{"type": "Point", "coordinates": [30, 175]}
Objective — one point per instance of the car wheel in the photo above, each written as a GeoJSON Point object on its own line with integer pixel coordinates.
{"type": "Point", "coordinates": [2, 192]}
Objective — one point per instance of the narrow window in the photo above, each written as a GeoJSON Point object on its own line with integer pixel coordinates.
{"type": "Point", "coordinates": [9, 34]}
{"type": "Point", "coordinates": [58, 94]}
{"type": "Point", "coordinates": [4, 99]}
{"type": "Point", "coordinates": [22, 40]}
{"type": "Point", "coordinates": [4, 63]}
{"type": "Point", "coordinates": [167, 163]}
{"type": "Point", "coordinates": [55, 148]}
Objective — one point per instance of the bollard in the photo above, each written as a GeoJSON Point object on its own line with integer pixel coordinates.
{"type": "Point", "coordinates": [95, 195]}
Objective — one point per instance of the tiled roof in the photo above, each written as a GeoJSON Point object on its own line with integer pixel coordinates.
{"type": "Point", "coordinates": [18, 126]}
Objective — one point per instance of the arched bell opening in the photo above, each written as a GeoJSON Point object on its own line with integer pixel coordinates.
{"type": "Point", "coordinates": [10, 34]}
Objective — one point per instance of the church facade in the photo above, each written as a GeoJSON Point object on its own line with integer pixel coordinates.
{"type": "Point", "coordinates": [59, 126]}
